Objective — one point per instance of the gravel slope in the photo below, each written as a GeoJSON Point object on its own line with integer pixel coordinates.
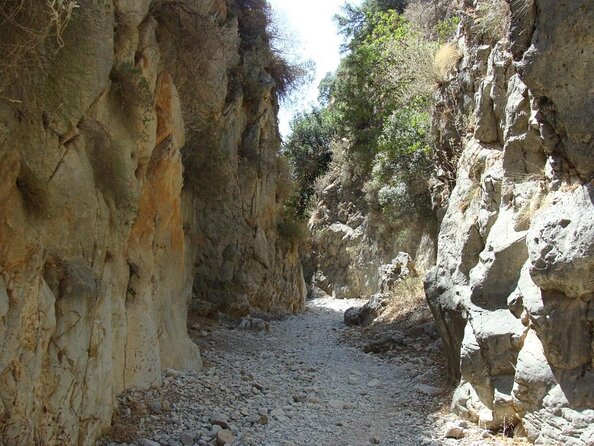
{"type": "Point", "coordinates": [300, 383]}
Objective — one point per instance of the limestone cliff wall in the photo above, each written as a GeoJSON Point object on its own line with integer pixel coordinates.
{"type": "Point", "coordinates": [138, 170]}
{"type": "Point", "coordinates": [513, 288]}
{"type": "Point", "coordinates": [351, 240]}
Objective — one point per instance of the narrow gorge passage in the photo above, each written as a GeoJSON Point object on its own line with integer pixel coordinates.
{"type": "Point", "coordinates": [175, 261]}
{"type": "Point", "coordinates": [299, 383]}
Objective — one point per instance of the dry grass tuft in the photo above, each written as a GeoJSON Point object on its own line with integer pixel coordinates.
{"type": "Point", "coordinates": [407, 300]}
{"type": "Point", "coordinates": [492, 19]}
{"type": "Point", "coordinates": [445, 60]}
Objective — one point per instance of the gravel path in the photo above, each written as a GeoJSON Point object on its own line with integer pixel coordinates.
{"type": "Point", "coordinates": [300, 383]}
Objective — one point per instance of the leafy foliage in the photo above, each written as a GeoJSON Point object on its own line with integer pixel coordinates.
{"type": "Point", "coordinates": [356, 22]}
{"type": "Point", "coordinates": [388, 71]}
{"type": "Point", "coordinates": [446, 28]}
{"type": "Point", "coordinates": [379, 101]}
{"type": "Point", "coordinates": [382, 101]}
{"type": "Point", "coordinates": [308, 151]}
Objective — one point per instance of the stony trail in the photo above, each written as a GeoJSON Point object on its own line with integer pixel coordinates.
{"type": "Point", "coordinates": [299, 383]}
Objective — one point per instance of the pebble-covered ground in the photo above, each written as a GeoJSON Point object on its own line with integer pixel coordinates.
{"type": "Point", "coordinates": [304, 381]}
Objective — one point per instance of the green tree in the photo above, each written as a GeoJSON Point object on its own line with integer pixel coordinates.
{"type": "Point", "coordinates": [308, 151]}
{"type": "Point", "coordinates": [381, 99]}
{"type": "Point", "coordinates": [354, 22]}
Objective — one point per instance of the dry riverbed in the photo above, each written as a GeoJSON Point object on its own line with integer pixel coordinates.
{"type": "Point", "coordinates": [305, 381]}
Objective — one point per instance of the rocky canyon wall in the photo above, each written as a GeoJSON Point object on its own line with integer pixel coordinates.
{"type": "Point", "coordinates": [513, 288]}
{"type": "Point", "coordinates": [351, 240]}
{"type": "Point", "coordinates": [139, 173]}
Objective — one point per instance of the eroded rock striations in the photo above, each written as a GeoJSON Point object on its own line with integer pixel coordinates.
{"type": "Point", "coordinates": [513, 288]}
{"type": "Point", "coordinates": [138, 169]}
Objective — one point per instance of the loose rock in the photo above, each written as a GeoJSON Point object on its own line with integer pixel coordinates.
{"type": "Point", "coordinates": [225, 437]}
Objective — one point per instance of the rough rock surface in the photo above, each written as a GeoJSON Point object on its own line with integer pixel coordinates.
{"type": "Point", "coordinates": [351, 243]}
{"type": "Point", "coordinates": [402, 267]}
{"type": "Point", "coordinates": [134, 167]}
{"type": "Point", "coordinates": [512, 291]}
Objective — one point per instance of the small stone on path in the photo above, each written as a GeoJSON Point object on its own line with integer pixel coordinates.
{"type": "Point", "coordinates": [453, 430]}
{"type": "Point", "coordinates": [187, 438]}
{"type": "Point", "coordinates": [225, 437]}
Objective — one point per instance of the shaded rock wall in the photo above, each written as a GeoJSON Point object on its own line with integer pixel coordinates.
{"type": "Point", "coordinates": [235, 181]}
{"type": "Point", "coordinates": [512, 291]}
{"type": "Point", "coordinates": [351, 241]}
{"type": "Point", "coordinates": [126, 188]}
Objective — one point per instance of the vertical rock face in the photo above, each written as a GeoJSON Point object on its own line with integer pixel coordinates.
{"type": "Point", "coordinates": [235, 181]}
{"type": "Point", "coordinates": [138, 170]}
{"type": "Point", "coordinates": [352, 242]}
{"type": "Point", "coordinates": [512, 291]}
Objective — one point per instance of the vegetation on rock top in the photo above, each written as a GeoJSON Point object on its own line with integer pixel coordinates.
{"type": "Point", "coordinates": [379, 100]}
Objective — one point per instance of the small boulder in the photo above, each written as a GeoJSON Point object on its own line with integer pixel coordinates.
{"type": "Point", "coordinates": [428, 390]}
{"type": "Point", "coordinates": [155, 407]}
{"type": "Point", "coordinates": [224, 437]}
{"type": "Point", "coordinates": [365, 315]}
{"type": "Point", "coordinates": [187, 438]}
{"type": "Point", "coordinates": [454, 430]}
{"type": "Point", "coordinates": [217, 419]}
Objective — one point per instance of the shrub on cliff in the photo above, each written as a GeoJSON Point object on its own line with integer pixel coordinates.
{"type": "Point", "coordinates": [436, 19]}
{"type": "Point", "coordinates": [26, 28]}
{"type": "Point", "coordinates": [291, 229]}
{"type": "Point", "coordinates": [382, 96]}
{"type": "Point", "coordinates": [258, 31]}
{"type": "Point", "coordinates": [308, 151]}
{"type": "Point", "coordinates": [492, 19]}
{"type": "Point", "coordinates": [379, 101]}
{"type": "Point", "coordinates": [445, 61]}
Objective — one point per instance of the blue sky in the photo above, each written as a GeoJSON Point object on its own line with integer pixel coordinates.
{"type": "Point", "coordinates": [310, 25]}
